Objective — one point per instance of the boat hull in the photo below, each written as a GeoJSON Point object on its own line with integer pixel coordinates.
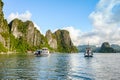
{"type": "Point", "coordinates": [88, 55]}
{"type": "Point", "coordinates": [42, 54]}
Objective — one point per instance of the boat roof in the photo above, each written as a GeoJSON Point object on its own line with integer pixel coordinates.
{"type": "Point", "coordinates": [39, 50]}
{"type": "Point", "coordinates": [44, 48]}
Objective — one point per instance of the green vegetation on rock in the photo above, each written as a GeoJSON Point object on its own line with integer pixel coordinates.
{"type": "Point", "coordinates": [64, 42]}
{"type": "Point", "coordinates": [2, 48]}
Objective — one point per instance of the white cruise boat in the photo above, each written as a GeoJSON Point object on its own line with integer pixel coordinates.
{"type": "Point", "coordinates": [42, 52]}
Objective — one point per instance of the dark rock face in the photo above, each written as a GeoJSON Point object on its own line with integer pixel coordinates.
{"type": "Point", "coordinates": [60, 41]}
{"type": "Point", "coordinates": [64, 37]}
{"type": "Point", "coordinates": [105, 45]}
{"type": "Point", "coordinates": [64, 41]}
{"type": "Point", "coordinates": [106, 48]}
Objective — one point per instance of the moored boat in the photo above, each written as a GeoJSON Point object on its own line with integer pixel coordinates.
{"type": "Point", "coordinates": [42, 52]}
{"type": "Point", "coordinates": [88, 52]}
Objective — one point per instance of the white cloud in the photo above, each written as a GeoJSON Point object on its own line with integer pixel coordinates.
{"type": "Point", "coordinates": [81, 38]}
{"type": "Point", "coordinates": [106, 22]}
{"type": "Point", "coordinates": [23, 16]}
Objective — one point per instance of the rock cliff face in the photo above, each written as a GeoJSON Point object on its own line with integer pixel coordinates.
{"type": "Point", "coordinates": [27, 31]}
{"type": "Point", "coordinates": [60, 41]}
{"type": "Point", "coordinates": [4, 30]}
{"type": "Point", "coordinates": [51, 39]}
{"type": "Point", "coordinates": [64, 42]}
{"type": "Point", "coordinates": [14, 28]}
{"type": "Point", "coordinates": [106, 48]}
{"type": "Point", "coordinates": [3, 22]}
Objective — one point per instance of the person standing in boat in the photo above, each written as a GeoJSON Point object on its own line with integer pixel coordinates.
{"type": "Point", "coordinates": [38, 52]}
{"type": "Point", "coordinates": [88, 51]}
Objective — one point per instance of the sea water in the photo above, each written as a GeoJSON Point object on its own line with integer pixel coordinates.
{"type": "Point", "coordinates": [60, 67]}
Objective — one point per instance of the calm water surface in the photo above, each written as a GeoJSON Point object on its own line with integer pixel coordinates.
{"type": "Point", "coordinates": [60, 67]}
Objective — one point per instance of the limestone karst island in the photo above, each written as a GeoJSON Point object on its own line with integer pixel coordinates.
{"type": "Point", "coordinates": [59, 39]}
{"type": "Point", "coordinates": [19, 36]}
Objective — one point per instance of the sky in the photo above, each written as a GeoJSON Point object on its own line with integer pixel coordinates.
{"type": "Point", "coordinates": [93, 21]}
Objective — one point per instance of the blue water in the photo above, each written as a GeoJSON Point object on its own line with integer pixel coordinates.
{"type": "Point", "coordinates": [60, 67]}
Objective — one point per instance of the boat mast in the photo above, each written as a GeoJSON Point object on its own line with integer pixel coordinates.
{"type": "Point", "coordinates": [88, 44]}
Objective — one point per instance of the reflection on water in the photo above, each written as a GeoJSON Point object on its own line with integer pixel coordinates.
{"type": "Point", "coordinates": [60, 67]}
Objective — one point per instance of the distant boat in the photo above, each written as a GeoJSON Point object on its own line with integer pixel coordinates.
{"type": "Point", "coordinates": [88, 52]}
{"type": "Point", "coordinates": [42, 52]}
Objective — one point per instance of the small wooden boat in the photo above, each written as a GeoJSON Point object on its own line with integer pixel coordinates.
{"type": "Point", "coordinates": [88, 52]}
